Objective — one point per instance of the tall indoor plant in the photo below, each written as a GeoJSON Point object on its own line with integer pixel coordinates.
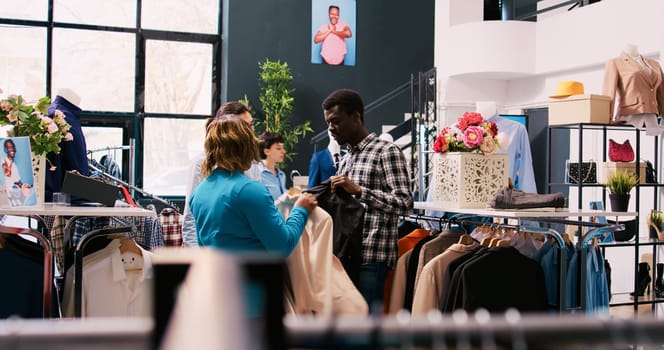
{"type": "Point", "coordinates": [277, 102]}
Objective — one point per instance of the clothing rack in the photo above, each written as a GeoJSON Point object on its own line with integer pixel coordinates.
{"type": "Point", "coordinates": [109, 148]}
{"type": "Point", "coordinates": [48, 263]}
{"type": "Point", "coordinates": [134, 188]}
{"type": "Point", "coordinates": [462, 330]}
{"type": "Point", "coordinates": [596, 230]}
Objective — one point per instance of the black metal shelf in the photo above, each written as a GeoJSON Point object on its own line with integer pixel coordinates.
{"type": "Point", "coordinates": [637, 242]}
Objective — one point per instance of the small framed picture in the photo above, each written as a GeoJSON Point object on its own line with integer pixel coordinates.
{"type": "Point", "coordinates": [333, 32]}
{"type": "Point", "coordinates": [18, 182]}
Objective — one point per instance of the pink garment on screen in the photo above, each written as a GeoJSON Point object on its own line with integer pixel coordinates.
{"type": "Point", "coordinates": [333, 48]}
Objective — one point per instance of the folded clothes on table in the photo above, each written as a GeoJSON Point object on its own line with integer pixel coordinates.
{"type": "Point", "coordinates": [509, 198]}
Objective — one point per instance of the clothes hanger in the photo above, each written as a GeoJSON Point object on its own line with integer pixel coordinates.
{"type": "Point", "coordinates": [466, 239]}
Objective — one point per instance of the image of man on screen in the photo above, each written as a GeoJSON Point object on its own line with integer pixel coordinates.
{"type": "Point", "coordinates": [333, 37]}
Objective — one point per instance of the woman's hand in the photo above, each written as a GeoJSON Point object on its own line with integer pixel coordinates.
{"type": "Point", "coordinates": [307, 201]}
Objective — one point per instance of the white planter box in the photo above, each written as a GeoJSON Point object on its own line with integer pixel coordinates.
{"type": "Point", "coordinates": [468, 180]}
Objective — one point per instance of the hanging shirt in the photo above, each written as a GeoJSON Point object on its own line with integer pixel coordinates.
{"type": "Point", "coordinates": [518, 151]}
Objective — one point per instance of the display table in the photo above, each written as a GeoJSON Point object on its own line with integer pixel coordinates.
{"type": "Point", "coordinates": [53, 209]}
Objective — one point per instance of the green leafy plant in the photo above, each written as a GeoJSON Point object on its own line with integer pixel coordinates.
{"type": "Point", "coordinates": [657, 218]}
{"type": "Point", "coordinates": [31, 119]}
{"type": "Point", "coordinates": [621, 182]}
{"type": "Point", "coordinates": [277, 102]}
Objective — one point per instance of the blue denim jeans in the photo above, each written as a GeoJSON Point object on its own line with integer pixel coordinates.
{"type": "Point", "coordinates": [372, 285]}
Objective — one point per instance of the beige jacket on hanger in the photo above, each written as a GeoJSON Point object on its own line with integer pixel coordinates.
{"type": "Point", "coordinates": [320, 285]}
{"type": "Point", "coordinates": [639, 91]}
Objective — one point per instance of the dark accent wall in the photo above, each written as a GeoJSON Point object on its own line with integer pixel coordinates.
{"type": "Point", "coordinates": [394, 39]}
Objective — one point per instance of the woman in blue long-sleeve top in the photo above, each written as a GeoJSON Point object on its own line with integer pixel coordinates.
{"type": "Point", "coordinates": [233, 212]}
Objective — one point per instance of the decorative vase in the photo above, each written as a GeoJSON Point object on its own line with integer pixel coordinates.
{"type": "Point", "coordinates": [39, 177]}
{"type": "Point", "coordinates": [619, 202]}
{"type": "Point", "coordinates": [468, 180]}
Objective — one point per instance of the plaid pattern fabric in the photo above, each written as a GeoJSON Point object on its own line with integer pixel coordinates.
{"type": "Point", "coordinates": [169, 219]}
{"type": "Point", "coordinates": [57, 239]}
{"type": "Point", "coordinates": [380, 168]}
{"type": "Point", "coordinates": [148, 230]}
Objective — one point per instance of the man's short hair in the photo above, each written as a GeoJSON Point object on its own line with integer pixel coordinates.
{"type": "Point", "coordinates": [333, 7]}
{"type": "Point", "coordinates": [8, 141]}
{"type": "Point", "coordinates": [266, 140]}
{"type": "Point", "coordinates": [348, 101]}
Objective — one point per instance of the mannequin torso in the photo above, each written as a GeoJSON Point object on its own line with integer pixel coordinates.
{"type": "Point", "coordinates": [70, 96]}
{"type": "Point", "coordinates": [486, 108]}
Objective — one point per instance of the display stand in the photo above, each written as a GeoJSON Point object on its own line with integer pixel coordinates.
{"type": "Point", "coordinates": [554, 183]}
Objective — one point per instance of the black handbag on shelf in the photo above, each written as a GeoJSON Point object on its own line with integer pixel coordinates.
{"type": "Point", "coordinates": [587, 174]}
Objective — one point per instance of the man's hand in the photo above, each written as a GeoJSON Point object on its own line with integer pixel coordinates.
{"type": "Point", "coordinates": [342, 181]}
{"type": "Point", "coordinates": [330, 27]}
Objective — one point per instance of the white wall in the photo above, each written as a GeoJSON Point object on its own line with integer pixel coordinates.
{"type": "Point", "coordinates": [519, 64]}
{"type": "Point", "coordinates": [531, 58]}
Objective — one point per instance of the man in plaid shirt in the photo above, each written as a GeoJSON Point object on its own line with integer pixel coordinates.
{"type": "Point", "coordinates": [376, 173]}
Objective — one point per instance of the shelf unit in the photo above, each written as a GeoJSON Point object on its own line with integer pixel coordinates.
{"type": "Point", "coordinates": [554, 182]}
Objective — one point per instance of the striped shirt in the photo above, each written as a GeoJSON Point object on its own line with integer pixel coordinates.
{"type": "Point", "coordinates": [379, 168]}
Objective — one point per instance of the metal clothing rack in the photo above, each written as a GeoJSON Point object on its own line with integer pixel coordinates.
{"type": "Point", "coordinates": [134, 188]}
{"type": "Point", "coordinates": [461, 330]}
{"type": "Point", "coordinates": [48, 263]}
{"type": "Point", "coordinates": [596, 230]}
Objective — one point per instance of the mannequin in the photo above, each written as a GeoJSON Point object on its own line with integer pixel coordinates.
{"type": "Point", "coordinates": [635, 85]}
{"type": "Point", "coordinates": [323, 163]}
{"type": "Point", "coordinates": [486, 108]}
{"type": "Point", "coordinates": [333, 146]}
{"type": "Point", "coordinates": [73, 154]}
{"type": "Point", "coordinates": [632, 50]}
{"type": "Point", "coordinates": [70, 96]}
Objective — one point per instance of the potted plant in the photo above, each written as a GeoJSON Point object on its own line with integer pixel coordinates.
{"type": "Point", "coordinates": [277, 103]}
{"type": "Point", "coordinates": [620, 184]}
{"type": "Point", "coordinates": [656, 223]}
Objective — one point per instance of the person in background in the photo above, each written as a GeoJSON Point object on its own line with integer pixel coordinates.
{"type": "Point", "coordinates": [376, 173]}
{"type": "Point", "coordinates": [233, 212]}
{"type": "Point", "coordinates": [242, 112]}
{"type": "Point", "coordinates": [272, 152]}
{"type": "Point", "coordinates": [333, 37]}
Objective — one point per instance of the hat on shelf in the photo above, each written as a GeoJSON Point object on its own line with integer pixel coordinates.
{"type": "Point", "coordinates": [568, 88]}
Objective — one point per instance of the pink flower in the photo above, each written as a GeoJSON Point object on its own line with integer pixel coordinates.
{"type": "Point", "coordinates": [12, 116]}
{"type": "Point", "coordinates": [473, 136]}
{"type": "Point", "coordinates": [69, 136]}
{"type": "Point", "coordinates": [5, 106]}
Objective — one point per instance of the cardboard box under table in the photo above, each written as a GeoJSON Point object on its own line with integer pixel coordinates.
{"type": "Point", "coordinates": [607, 168]}
{"type": "Point", "coordinates": [580, 109]}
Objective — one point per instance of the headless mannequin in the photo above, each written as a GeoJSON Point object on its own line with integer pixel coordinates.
{"type": "Point", "coordinates": [323, 163]}
{"type": "Point", "coordinates": [70, 96]}
{"type": "Point", "coordinates": [486, 108]}
{"type": "Point", "coordinates": [637, 120]}
{"type": "Point", "coordinates": [632, 50]}
{"type": "Point", "coordinates": [333, 146]}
